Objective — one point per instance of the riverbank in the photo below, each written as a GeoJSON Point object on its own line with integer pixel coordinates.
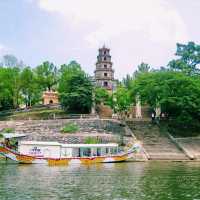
{"type": "Point", "coordinates": [157, 144]}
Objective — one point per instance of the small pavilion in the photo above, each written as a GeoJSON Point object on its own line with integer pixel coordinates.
{"type": "Point", "coordinates": [50, 97]}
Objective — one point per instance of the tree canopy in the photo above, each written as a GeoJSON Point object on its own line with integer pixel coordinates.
{"type": "Point", "coordinates": [75, 89]}
{"type": "Point", "coordinates": [47, 75]}
{"type": "Point", "coordinates": [176, 88]}
{"type": "Point", "coordinates": [189, 59]}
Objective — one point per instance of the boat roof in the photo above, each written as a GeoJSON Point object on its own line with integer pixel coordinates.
{"type": "Point", "coordinates": [90, 145]}
{"type": "Point", "coordinates": [67, 145]}
{"type": "Point", "coordinates": [12, 135]}
{"type": "Point", "coordinates": [39, 143]}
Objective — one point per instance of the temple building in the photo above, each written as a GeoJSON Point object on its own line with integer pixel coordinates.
{"type": "Point", "coordinates": [50, 97]}
{"type": "Point", "coordinates": [104, 73]}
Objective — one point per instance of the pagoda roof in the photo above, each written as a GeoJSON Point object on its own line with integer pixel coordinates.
{"type": "Point", "coordinates": [104, 48]}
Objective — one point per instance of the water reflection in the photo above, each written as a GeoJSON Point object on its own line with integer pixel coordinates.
{"type": "Point", "coordinates": [139, 181]}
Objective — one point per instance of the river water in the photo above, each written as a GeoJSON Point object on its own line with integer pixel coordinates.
{"type": "Point", "coordinates": [139, 181]}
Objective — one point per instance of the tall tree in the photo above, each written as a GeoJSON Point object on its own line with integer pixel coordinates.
{"type": "Point", "coordinates": [189, 59]}
{"type": "Point", "coordinates": [6, 99]}
{"type": "Point", "coordinates": [46, 75]}
{"type": "Point", "coordinates": [75, 89]}
{"type": "Point", "coordinates": [10, 86]}
{"type": "Point", "coordinates": [101, 96]}
{"type": "Point", "coordinates": [127, 81]}
{"type": "Point", "coordinates": [122, 100]}
{"type": "Point", "coordinates": [142, 68]}
{"type": "Point", "coordinates": [29, 88]}
{"type": "Point", "coordinates": [10, 60]}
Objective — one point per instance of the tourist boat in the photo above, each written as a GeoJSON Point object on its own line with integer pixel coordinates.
{"type": "Point", "coordinates": [55, 153]}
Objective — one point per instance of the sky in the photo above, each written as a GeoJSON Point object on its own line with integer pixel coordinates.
{"type": "Point", "coordinates": [64, 30]}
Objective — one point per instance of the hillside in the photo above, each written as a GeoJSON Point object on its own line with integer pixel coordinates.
{"type": "Point", "coordinates": [35, 113]}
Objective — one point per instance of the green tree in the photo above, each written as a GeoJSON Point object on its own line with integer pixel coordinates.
{"type": "Point", "coordinates": [177, 94]}
{"type": "Point", "coordinates": [10, 60]}
{"type": "Point", "coordinates": [122, 100]}
{"type": "Point", "coordinates": [142, 68]}
{"type": "Point", "coordinates": [189, 59]}
{"type": "Point", "coordinates": [29, 88]}
{"type": "Point", "coordinates": [13, 83]}
{"type": "Point", "coordinates": [73, 66]}
{"type": "Point", "coordinates": [75, 90]}
{"type": "Point", "coordinates": [127, 81]}
{"type": "Point", "coordinates": [102, 96]}
{"type": "Point", "coordinates": [46, 75]}
{"type": "Point", "coordinates": [6, 99]}
{"type": "Point", "coordinates": [10, 87]}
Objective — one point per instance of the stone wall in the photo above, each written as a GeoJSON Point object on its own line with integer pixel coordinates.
{"type": "Point", "coordinates": [49, 130]}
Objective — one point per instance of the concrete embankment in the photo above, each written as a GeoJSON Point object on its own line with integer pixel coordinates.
{"type": "Point", "coordinates": [191, 146]}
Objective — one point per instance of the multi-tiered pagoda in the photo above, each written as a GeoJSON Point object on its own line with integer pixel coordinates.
{"type": "Point", "coordinates": [104, 74]}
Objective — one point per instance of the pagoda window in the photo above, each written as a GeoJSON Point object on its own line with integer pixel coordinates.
{"type": "Point", "coordinates": [105, 66]}
{"type": "Point", "coordinates": [105, 74]}
{"type": "Point", "coordinates": [104, 58]}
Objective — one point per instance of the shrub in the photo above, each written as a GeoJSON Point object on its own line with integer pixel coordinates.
{"type": "Point", "coordinates": [70, 128]}
{"type": "Point", "coordinates": [92, 140]}
{"type": "Point", "coordinates": [8, 130]}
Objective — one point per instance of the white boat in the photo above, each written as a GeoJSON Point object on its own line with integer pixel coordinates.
{"type": "Point", "coordinates": [55, 153]}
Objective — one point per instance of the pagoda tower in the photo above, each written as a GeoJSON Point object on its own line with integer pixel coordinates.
{"type": "Point", "coordinates": [104, 74]}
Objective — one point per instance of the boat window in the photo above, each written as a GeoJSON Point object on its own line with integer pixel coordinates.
{"type": "Point", "coordinates": [98, 151]}
{"type": "Point", "coordinates": [105, 151]}
{"type": "Point", "coordinates": [111, 150]}
{"type": "Point", "coordinates": [66, 152]}
{"type": "Point", "coordinates": [94, 151]}
{"type": "Point", "coordinates": [75, 152]}
{"type": "Point", "coordinates": [85, 152]}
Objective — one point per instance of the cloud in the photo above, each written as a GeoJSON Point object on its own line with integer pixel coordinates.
{"type": "Point", "coordinates": [105, 20]}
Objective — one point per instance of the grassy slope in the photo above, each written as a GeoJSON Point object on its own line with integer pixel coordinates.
{"type": "Point", "coordinates": [35, 114]}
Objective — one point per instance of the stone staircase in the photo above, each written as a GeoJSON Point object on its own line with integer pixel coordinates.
{"type": "Point", "coordinates": [156, 143]}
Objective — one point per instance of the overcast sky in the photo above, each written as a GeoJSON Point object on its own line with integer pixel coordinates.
{"type": "Point", "coordinates": [63, 30]}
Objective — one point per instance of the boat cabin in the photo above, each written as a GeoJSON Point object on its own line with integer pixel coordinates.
{"type": "Point", "coordinates": [11, 139]}
{"type": "Point", "coordinates": [58, 150]}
